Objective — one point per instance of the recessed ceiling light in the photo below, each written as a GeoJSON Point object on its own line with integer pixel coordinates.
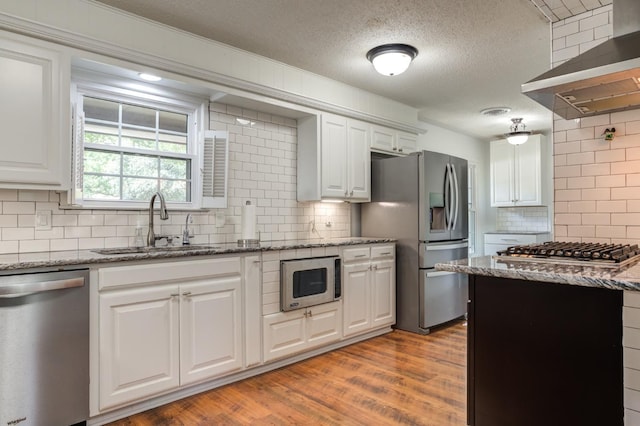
{"type": "Point", "coordinates": [495, 111]}
{"type": "Point", "coordinates": [149, 77]}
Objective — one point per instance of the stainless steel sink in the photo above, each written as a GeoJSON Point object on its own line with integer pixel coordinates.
{"type": "Point", "coordinates": [134, 250]}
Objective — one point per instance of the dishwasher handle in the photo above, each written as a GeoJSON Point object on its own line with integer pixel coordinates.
{"type": "Point", "coordinates": [25, 288]}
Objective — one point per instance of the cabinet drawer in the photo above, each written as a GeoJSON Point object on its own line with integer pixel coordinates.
{"type": "Point", "coordinates": [383, 252]}
{"type": "Point", "coordinates": [121, 276]}
{"type": "Point", "coordinates": [355, 254]}
{"type": "Point", "coordinates": [509, 239]}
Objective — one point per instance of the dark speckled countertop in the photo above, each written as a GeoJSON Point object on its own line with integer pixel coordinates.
{"type": "Point", "coordinates": [590, 275]}
{"type": "Point", "coordinates": [54, 259]}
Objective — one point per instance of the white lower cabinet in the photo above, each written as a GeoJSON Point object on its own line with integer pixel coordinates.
{"type": "Point", "coordinates": [369, 288]}
{"type": "Point", "coordinates": [287, 333]}
{"type": "Point", "coordinates": [155, 336]}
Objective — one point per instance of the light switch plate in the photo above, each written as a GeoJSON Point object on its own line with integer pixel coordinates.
{"type": "Point", "coordinates": [220, 219]}
{"type": "Point", "coordinates": [43, 220]}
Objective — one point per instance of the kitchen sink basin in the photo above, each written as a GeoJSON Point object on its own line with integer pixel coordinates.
{"type": "Point", "coordinates": [134, 250]}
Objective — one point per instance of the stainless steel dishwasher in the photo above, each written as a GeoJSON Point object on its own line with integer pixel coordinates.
{"type": "Point", "coordinates": [44, 347]}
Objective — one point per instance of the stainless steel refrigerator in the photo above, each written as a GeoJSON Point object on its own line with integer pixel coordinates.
{"type": "Point", "coordinates": [421, 200]}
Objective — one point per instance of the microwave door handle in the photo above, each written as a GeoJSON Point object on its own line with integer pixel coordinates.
{"type": "Point", "coordinates": [457, 197]}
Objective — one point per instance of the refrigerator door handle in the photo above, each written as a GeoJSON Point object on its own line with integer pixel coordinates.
{"type": "Point", "coordinates": [440, 247]}
{"type": "Point", "coordinates": [457, 197]}
{"type": "Point", "coordinates": [451, 205]}
{"type": "Point", "coordinates": [447, 197]}
{"type": "Point", "coordinates": [440, 274]}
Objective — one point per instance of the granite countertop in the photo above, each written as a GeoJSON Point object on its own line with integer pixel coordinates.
{"type": "Point", "coordinates": [17, 261]}
{"type": "Point", "coordinates": [590, 275]}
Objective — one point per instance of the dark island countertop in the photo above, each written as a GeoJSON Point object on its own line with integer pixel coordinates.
{"type": "Point", "coordinates": [588, 275]}
{"type": "Point", "coordinates": [18, 261]}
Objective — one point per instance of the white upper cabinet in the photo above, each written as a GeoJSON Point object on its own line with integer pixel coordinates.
{"type": "Point", "coordinates": [334, 161]}
{"type": "Point", "coordinates": [34, 114]}
{"type": "Point", "coordinates": [393, 141]}
{"type": "Point", "coordinates": [517, 173]}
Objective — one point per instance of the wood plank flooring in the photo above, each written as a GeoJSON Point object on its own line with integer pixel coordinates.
{"type": "Point", "coordinates": [398, 378]}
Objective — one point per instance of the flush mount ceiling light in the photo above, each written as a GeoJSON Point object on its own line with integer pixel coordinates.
{"type": "Point", "coordinates": [392, 59]}
{"type": "Point", "coordinates": [149, 77]}
{"type": "Point", "coordinates": [518, 135]}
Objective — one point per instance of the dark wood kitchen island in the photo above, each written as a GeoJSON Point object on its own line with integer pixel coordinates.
{"type": "Point", "coordinates": [545, 343]}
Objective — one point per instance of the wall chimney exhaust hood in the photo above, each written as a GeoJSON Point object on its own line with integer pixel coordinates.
{"type": "Point", "coordinates": [601, 80]}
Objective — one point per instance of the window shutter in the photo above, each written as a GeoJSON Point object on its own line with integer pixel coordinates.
{"type": "Point", "coordinates": [215, 169]}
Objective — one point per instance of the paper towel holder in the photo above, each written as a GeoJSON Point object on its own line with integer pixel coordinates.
{"type": "Point", "coordinates": [252, 242]}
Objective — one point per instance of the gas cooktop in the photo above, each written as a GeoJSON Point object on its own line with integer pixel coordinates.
{"type": "Point", "coordinates": [569, 253]}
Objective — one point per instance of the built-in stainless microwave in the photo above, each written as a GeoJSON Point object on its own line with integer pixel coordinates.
{"type": "Point", "coordinates": [308, 282]}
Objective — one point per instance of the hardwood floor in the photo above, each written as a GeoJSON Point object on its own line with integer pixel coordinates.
{"type": "Point", "coordinates": [398, 378]}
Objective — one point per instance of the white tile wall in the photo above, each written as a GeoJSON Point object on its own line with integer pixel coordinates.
{"type": "Point", "coordinates": [597, 183]}
{"type": "Point", "coordinates": [262, 169]}
{"type": "Point", "coordinates": [523, 219]}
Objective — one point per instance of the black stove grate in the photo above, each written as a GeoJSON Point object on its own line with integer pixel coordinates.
{"type": "Point", "coordinates": [588, 252]}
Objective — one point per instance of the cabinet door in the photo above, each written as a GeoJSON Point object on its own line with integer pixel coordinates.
{"type": "Point", "coordinates": [383, 139]}
{"type": "Point", "coordinates": [210, 328]}
{"type": "Point", "coordinates": [356, 298]}
{"type": "Point", "coordinates": [406, 142]}
{"type": "Point", "coordinates": [528, 179]}
{"type": "Point", "coordinates": [358, 161]}
{"type": "Point", "coordinates": [334, 156]}
{"type": "Point", "coordinates": [34, 114]}
{"type": "Point", "coordinates": [323, 324]}
{"type": "Point", "coordinates": [502, 173]}
{"type": "Point", "coordinates": [383, 292]}
{"type": "Point", "coordinates": [138, 344]}
{"type": "Point", "coordinates": [283, 334]}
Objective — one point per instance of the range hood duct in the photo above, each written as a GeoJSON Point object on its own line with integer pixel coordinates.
{"type": "Point", "coordinates": [601, 80]}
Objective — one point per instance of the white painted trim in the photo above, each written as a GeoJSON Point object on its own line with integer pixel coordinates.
{"type": "Point", "coordinates": [89, 44]}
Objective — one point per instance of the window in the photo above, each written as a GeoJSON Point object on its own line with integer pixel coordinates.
{"type": "Point", "coordinates": [129, 145]}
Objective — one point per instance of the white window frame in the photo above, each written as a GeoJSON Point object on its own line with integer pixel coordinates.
{"type": "Point", "coordinates": [151, 97]}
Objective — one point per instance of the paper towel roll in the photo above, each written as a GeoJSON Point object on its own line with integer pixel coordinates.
{"type": "Point", "coordinates": [249, 221]}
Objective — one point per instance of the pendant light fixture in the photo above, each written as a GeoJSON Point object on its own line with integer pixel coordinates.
{"type": "Point", "coordinates": [518, 135]}
{"type": "Point", "coordinates": [392, 59]}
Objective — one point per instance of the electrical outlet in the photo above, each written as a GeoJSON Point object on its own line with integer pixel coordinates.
{"type": "Point", "coordinates": [43, 220]}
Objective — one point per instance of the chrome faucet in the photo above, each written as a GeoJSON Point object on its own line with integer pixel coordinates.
{"type": "Point", "coordinates": [185, 233]}
{"type": "Point", "coordinates": [151, 236]}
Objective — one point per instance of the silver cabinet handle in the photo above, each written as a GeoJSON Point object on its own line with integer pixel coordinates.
{"type": "Point", "coordinates": [174, 294]}
{"type": "Point", "coordinates": [186, 293]}
{"type": "Point", "coordinates": [360, 255]}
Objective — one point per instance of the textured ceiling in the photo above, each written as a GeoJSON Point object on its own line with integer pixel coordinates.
{"type": "Point", "coordinates": [474, 54]}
